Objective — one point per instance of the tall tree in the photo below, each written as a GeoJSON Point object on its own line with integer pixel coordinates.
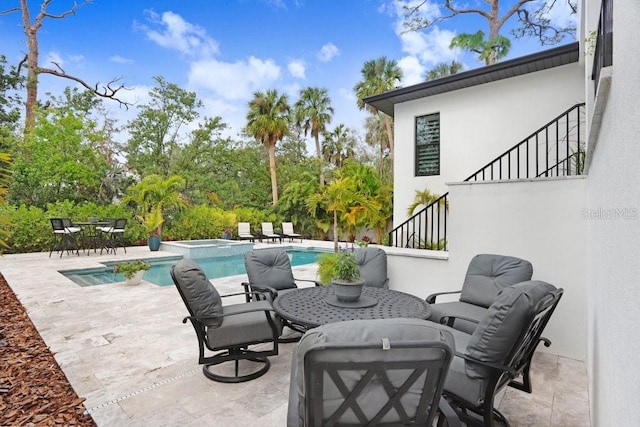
{"type": "Point", "coordinates": [490, 47]}
{"type": "Point", "coordinates": [313, 111]}
{"type": "Point", "coordinates": [378, 76]}
{"type": "Point", "coordinates": [268, 122]}
{"type": "Point", "coordinates": [31, 59]}
{"type": "Point", "coordinates": [339, 145]}
{"type": "Point", "coordinates": [158, 128]}
{"type": "Point", "coordinates": [376, 137]}
{"type": "Point", "coordinates": [444, 69]}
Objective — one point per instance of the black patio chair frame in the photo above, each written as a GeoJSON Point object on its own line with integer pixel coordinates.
{"type": "Point", "coordinates": [63, 238]}
{"type": "Point", "coordinates": [234, 353]}
{"type": "Point", "coordinates": [517, 364]}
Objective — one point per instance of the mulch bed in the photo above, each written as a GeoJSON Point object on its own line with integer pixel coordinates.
{"type": "Point", "coordinates": [33, 388]}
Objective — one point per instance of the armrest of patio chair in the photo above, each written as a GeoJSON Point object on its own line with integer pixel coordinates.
{"type": "Point", "coordinates": [259, 291]}
{"type": "Point", "coordinates": [449, 320]}
{"type": "Point", "coordinates": [431, 299]}
{"type": "Point", "coordinates": [315, 282]}
{"type": "Point", "coordinates": [512, 373]}
{"type": "Point", "coordinates": [450, 415]}
{"type": "Point", "coordinates": [235, 310]}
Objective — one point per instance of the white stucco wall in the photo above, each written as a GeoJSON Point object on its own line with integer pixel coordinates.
{"type": "Point", "coordinates": [540, 221]}
{"type": "Point", "coordinates": [613, 259]}
{"type": "Point", "coordinates": [477, 124]}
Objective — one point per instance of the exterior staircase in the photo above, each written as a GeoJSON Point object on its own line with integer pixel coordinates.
{"type": "Point", "coordinates": [556, 149]}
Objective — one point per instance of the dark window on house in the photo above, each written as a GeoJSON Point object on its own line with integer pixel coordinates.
{"type": "Point", "coordinates": [428, 145]}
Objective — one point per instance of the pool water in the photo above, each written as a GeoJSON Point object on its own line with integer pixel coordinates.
{"type": "Point", "coordinates": [159, 275]}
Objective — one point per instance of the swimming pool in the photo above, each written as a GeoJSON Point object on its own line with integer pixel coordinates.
{"type": "Point", "coordinates": [159, 275]}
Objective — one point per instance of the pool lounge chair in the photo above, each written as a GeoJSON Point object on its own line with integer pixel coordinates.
{"type": "Point", "coordinates": [267, 232]}
{"type": "Point", "coordinates": [244, 231]}
{"type": "Point", "coordinates": [287, 231]}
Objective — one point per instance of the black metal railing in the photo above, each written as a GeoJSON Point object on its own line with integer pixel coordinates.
{"type": "Point", "coordinates": [556, 149]}
{"type": "Point", "coordinates": [603, 55]}
{"type": "Point", "coordinates": [427, 229]}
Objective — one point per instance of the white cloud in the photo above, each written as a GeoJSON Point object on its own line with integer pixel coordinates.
{"type": "Point", "coordinates": [120, 59]}
{"type": "Point", "coordinates": [328, 52]}
{"type": "Point", "coordinates": [175, 33]}
{"type": "Point", "coordinates": [347, 94]}
{"type": "Point", "coordinates": [234, 81]}
{"type": "Point", "coordinates": [292, 90]}
{"type": "Point", "coordinates": [297, 69]}
{"type": "Point", "coordinates": [561, 15]}
{"type": "Point", "coordinates": [412, 70]}
{"type": "Point", "coordinates": [54, 57]}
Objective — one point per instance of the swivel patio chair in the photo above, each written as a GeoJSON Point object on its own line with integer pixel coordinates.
{"type": "Point", "coordinates": [372, 263]}
{"type": "Point", "coordinates": [268, 233]}
{"type": "Point", "coordinates": [244, 231]}
{"type": "Point", "coordinates": [371, 372]}
{"type": "Point", "coordinates": [227, 331]}
{"type": "Point", "coordinates": [486, 276]}
{"type": "Point", "coordinates": [287, 231]}
{"type": "Point", "coordinates": [269, 272]}
{"type": "Point", "coordinates": [499, 350]}
{"type": "Point", "coordinates": [64, 236]}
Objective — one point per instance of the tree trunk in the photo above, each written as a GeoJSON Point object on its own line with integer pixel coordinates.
{"type": "Point", "coordinates": [319, 156]}
{"type": "Point", "coordinates": [31, 31]}
{"type": "Point", "coordinates": [272, 170]}
{"type": "Point", "coordinates": [335, 231]}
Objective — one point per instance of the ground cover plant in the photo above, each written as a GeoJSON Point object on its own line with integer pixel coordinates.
{"type": "Point", "coordinates": [33, 388]}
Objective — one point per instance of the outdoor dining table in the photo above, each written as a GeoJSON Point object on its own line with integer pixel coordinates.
{"type": "Point", "coordinates": [312, 307]}
{"type": "Point", "coordinates": [90, 237]}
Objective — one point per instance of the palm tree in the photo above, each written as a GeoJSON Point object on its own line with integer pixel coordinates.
{"type": "Point", "coordinates": [268, 122]}
{"type": "Point", "coordinates": [313, 112]}
{"type": "Point", "coordinates": [378, 76]}
{"type": "Point", "coordinates": [423, 198]}
{"type": "Point", "coordinates": [338, 145]}
{"type": "Point", "coordinates": [443, 70]}
{"type": "Point", "coordinates": [153, 195]}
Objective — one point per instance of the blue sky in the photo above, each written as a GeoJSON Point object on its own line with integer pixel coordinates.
{"type": "Point", "coordinates": [224, 50]}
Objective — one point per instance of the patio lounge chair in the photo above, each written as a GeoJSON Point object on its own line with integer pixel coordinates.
{"type": "Point", "coordinates": [269, 272]}
{"type": "Point", "coordinates": [370, 372]}
{"type": "Point", "coordinates": [486, 276]}
{"type": "Point", "coordinates": [499, 350]}
{"type": "Point", "coordinates": [228, 330]}
{"type": "Point", "coordinates": [267, 232]}
{"type": "Point", "coordinates": [372, 263]}
{"type": "Point", "coordinates": [287, 231]}
{"type": "Point", "coordinates": [244, 231]}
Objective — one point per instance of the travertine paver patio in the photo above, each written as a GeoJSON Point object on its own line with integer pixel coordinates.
{"type": "Point", "coordinates": [127, 352]}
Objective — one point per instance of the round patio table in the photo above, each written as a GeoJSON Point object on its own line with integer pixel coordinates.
{"type": "Point", "coordinates": [312, 307]}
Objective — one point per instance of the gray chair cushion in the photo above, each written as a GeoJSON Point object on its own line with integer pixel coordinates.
{"type": "Point", "coordinates": [505, 320]}
{"type": "Point", "coordinates": [361, 331]}
{"type": "Point", "coordinates": [202, 298]}
{"type": "Point", "coordinates": [247, 327]}
{"type": "Point", "coordinates": [488, 274]}
{"type": "Point", "coordinates": [458, 309]}
{"type": "Point", "coordinates": [372, 263]}
{"type": "Point", "coordinates": [269, 267]}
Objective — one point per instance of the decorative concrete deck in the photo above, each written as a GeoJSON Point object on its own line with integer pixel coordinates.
{"type": "Point", "coordinates": [126, 350]}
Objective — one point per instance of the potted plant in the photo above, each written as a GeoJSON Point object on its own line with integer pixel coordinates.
{"type": "Point", "coordinates": [341, 270]}
{"type": "Point", "coordinates": [132, 270]}
{"type": "Point", "coordinates": [153, 195]}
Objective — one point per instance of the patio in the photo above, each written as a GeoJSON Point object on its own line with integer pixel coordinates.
{"type": "Point", "coordinates": [127, 352]}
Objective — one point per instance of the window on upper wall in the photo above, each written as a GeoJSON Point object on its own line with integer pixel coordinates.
{"type": "Point", "coordinates": [428, 145]}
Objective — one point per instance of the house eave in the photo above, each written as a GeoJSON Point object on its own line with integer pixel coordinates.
{"type": "Point", "coordinates": [538, 61]}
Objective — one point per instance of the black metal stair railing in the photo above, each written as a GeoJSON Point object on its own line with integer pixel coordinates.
{"type": "Point", "coordinates": [556, 149]}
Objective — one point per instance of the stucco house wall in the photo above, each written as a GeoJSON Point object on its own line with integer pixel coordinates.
{"type": "Point", "coordinates": [477, 124]}
{"type": "Point", "coordinates": [613, 231]}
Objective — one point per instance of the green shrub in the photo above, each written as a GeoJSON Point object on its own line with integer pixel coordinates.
{"type": "Point", "coordinates": [200, 222]}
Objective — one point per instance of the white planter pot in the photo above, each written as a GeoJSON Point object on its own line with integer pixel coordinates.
{"type": "Point", "coordinates": [136, 279]}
